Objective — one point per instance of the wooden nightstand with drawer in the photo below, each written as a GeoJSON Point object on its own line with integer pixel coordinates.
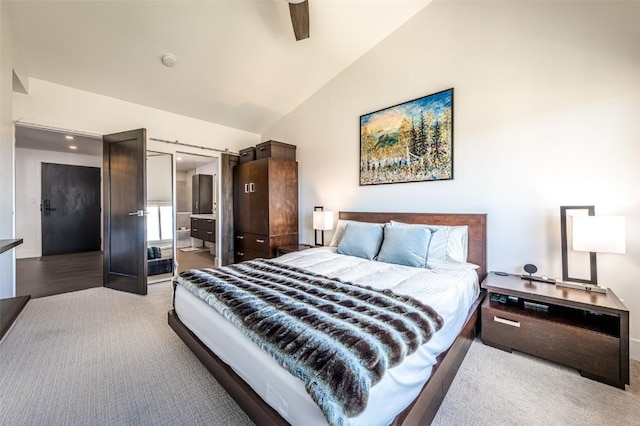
{"type": "Point", "coordinates": [584, 330]}
{"type": "Point", "coordinates": [292, 248]}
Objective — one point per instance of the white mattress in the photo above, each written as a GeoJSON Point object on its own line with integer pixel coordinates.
{"type": "Point", "coordinates": [450, 289]}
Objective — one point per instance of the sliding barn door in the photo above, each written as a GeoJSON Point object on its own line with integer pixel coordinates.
{"type": "Point", "coordinates": [125, 196]}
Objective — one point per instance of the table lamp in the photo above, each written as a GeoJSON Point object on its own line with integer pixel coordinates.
{"type": "Point", "coordinates": [594, 234]}
{"type": "Point", "coordinates": [322, 221]}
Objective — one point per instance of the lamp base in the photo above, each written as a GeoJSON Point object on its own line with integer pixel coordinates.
{"type": "Point", "coordinates": [585, 287]}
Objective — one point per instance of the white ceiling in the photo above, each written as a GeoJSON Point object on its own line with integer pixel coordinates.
{"type": "Point", "coordinates": [186, 162]}
{"type": "Point", "coordinates": [238, 63]}
{"type": "Point", "coordinates": [48, 140]}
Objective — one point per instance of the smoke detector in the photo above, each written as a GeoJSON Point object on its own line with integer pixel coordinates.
{"type": "Point", "coordinates": [169, 60]}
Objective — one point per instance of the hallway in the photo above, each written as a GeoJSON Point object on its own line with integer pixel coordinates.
{"type": "Point", "coordinates": [49, 275]}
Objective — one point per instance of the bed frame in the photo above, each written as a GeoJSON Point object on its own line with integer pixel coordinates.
{"type": "Point", "coordinates": [424, 408]}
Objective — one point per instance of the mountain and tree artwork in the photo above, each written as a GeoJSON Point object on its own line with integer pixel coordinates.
{"type": "Point", "coordinates": [409, 142]}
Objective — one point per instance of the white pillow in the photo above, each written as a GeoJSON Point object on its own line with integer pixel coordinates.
{"type": "Point", "coordinates": [448, 243]}
{"type": "Point", "coordinates": [458, 244]}
{"type": "Point", "coordinates": [339, 233]}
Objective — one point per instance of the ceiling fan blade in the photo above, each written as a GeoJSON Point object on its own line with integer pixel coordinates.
{"type": "Point", "coordinates": [300, 19]}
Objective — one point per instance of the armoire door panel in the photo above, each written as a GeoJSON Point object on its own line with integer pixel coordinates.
{"type": "Point", "coordinates": [241, 197]}
{"type": "Point", "coordinates": [283, 201]}
{"type": "Point", "coordinates": [259, 196]}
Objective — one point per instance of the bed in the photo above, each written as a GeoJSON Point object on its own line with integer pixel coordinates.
{"type": "Point", "coordinates": [189, 319]}
{"type": "Point", "coordinates": [159, 260]}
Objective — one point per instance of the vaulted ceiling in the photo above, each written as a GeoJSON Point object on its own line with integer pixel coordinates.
{"type": "Point", "coordinates": [238, 63]}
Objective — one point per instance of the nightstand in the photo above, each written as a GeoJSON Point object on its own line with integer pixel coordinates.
{"type": "Point", "coordinates": [290, 249]}
{"type": "Point", "coordinates": [584, 330]}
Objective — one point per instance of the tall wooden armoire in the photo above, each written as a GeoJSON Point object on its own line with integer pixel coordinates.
{"type": "Point", "coordinates": [265, 201]}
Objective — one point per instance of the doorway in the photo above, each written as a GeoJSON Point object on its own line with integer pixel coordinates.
{"type": "Point", "coordinates": [196, 211]}
{"type": "Point", "coordinates": [70, 209]}
{"type": "Point", "coordinates": [46, 157]}
{"type": "Point", "coordinates": [119, 157]}
{"type": "Point", "coordinates": [159, 209]}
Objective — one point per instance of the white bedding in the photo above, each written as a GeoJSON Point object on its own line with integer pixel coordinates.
{"type": "Point", "coordinates": [450, 289]}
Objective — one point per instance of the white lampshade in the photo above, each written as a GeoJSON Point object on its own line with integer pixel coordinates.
{"type": "Point", "coordinates": [599, 234]}
{"type": "Point", "coordinates": [322, 220]}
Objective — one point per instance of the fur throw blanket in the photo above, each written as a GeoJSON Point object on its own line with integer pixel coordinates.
{"type": "Point", "coordinates": [339, 338]}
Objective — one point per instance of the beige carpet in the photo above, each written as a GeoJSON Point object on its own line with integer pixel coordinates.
{"type": "Point", "coordinates": [100, 356]}
{"type": "Point", "coordinates": [494, 387]}
{"type": "Point", "coordinates": [103, 357]}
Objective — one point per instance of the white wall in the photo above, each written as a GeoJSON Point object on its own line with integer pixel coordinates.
{"type": "Point", "coordinates": [28, 193]}
{"type": "Point", "coordinates": [7, 259]}
{"type": "Point", "coordinates": [159, 178]}
{"type": "Point", "coordinates": [546, 107]}
{"type": "Point", "coordinates": [49, 104]}
{"type": "Point", "coordinates": [64, 107]}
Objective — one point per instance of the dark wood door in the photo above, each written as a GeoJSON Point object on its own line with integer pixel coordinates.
{"type": "Point", "coordinates": [259, 196]}
{"type": "Point", "coordinates": [125, 196]}
{"type": "Point", "coordinates": [227, 163]}
{"type": "Point", "coordinates": [70, 209]}
{"type": "Point", "coordinates": [241, 197]}
{"type": "Point", "coordinates": [283, 187]}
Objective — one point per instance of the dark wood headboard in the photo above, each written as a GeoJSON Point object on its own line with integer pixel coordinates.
{"type": "Point", "coordinates": [477, 224]}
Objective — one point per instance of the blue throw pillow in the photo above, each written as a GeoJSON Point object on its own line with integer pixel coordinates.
{"type": "Point", "coordinates": [405, 245]}
{"type": "Point", "coordinates": [361, 239]}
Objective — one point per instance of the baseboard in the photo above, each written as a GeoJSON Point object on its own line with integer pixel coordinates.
{"type": "Point", "coordinates": [634, 349]}
{"type": "Point", "coordinates": [23, 254]}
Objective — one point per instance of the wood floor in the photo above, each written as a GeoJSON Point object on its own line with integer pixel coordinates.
{"type": "Point", "coordinates": [194, 260]}
{"type": "Point", "coordinates": [49, 275]}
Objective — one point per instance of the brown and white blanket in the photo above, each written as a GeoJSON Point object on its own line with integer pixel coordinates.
{"type": "Point", "coordinates": [339, 338]}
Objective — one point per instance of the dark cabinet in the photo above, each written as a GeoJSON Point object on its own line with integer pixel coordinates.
{"type": "Point", "coordinates": [202, 194]}
{"type": "Point", "coordinates": [265, 207]}
{"type": "Point", "coordinates": [203, 229]}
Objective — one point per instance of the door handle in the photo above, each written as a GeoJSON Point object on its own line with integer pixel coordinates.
{"type": "Point", "coordinates": [46, 207]}
{"type": "Point", "coordinates": [137, 213]}
{"type": "Point", "coordinates": [506, 321]}
{"type": "Point", "coordinates": [246, 188]}
{"type": "Point", "coordinates": [252, 187]}
{"type": "Point", "coordinates": [260, 241]}
{"type": "Point", "coordinates": [240, 237]}
{"type": "Point", "coordinates": [196, 204]}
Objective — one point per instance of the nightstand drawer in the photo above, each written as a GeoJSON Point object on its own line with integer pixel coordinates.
{"type": "Point", "coordinates": [586, 350]}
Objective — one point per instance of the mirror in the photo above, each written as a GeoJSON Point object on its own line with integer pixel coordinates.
{"type": "Point", "coordinates": [160, 250]}
{"type": "Point", "coordinates": [196, 215]}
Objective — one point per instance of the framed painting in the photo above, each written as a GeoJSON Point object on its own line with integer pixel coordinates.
{"type": "Point", "coordinates": [409, 142]}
